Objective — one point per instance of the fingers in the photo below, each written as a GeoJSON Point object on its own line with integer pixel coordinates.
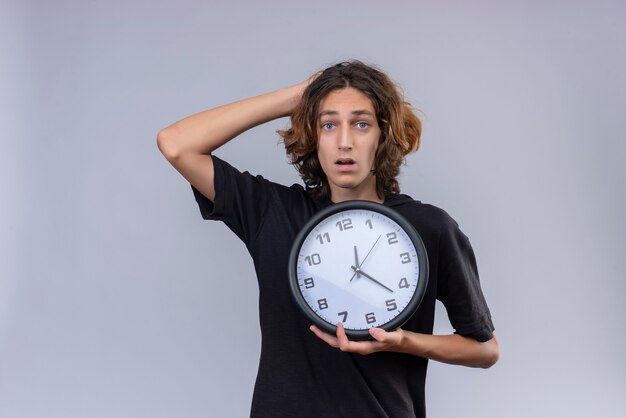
{"type": "Point", "coordinates": [382, 340]}
{"type": "Point", "coordinates": [344, 344]}
{"type": "Point", "coordinates": [378, 334]}
{"type": "Point", "coordinates": [391, 340]}
{"type": "Point", "coordinates": [359, 347]}
{"type": "Point", "coordinates": [339, 341]}
{"type": "Point", "coordinates": [342, 338]}
{"type": "Point", "coordinates": [329, 339]}
{"type": "Point", "coordinates": [313, 77]}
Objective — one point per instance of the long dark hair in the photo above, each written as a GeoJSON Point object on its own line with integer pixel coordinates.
{"type": "Point", "coordinates": [400, 127]}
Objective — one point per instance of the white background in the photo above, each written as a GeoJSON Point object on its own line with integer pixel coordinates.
{"type": "Point", "coordinates": [112, 287]}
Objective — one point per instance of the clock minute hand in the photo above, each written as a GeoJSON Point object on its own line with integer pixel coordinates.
{"type": "Point", "coordinates": [366, 255]}
{"type": "Point", "coordinates": [358, 270]}
{"type": "Point", "coordinates": [356, 261]}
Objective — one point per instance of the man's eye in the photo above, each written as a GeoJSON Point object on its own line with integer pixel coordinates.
{"type": "Point", "coordinates": [362, 125]}
{"type": "Point", "coordinates": [327, 125]}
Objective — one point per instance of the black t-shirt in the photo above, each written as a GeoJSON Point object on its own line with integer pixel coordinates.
{"type": "Point", "coordinates": [300, 375]}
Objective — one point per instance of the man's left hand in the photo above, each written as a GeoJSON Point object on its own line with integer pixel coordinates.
{"type": "Point", "coordinates": [383, 340]}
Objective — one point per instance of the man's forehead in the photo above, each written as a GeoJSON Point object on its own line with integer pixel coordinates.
{"type": "Point", "coordinates": [346, 100]}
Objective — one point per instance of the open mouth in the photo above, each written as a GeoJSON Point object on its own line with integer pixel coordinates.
{"type": "Point", "coordinates": [344, 161]}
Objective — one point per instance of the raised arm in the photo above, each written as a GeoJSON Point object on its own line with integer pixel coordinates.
{"type": "Point", "coordinates": [188, 143]}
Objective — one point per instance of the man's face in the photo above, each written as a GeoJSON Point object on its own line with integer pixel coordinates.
{"type": "Point", "coordinates": [348, 135]}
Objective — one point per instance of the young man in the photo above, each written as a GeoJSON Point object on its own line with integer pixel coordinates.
{"type": "Point", "coordinates": [350, 132]}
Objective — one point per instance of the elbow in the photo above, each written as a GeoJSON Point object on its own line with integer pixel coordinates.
{"type": "Point", "coordinates": [491, 353]}
{"type": "Point", "coordinates": [490, 360]}
{"type": "Point", "coordinates": [167, 144]}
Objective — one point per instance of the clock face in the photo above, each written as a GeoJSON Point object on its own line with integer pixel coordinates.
{"type": "Point", "coordinates": [359, 263]}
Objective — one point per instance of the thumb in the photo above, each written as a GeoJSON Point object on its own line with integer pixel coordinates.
{"type": "Point", "coordinates": [379, 334]}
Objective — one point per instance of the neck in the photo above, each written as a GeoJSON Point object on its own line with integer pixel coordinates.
{"type": "Point", "coordinates": [338, 196]}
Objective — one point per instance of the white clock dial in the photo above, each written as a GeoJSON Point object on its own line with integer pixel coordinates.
{"type": "Point", "coordinates": [359, 266]}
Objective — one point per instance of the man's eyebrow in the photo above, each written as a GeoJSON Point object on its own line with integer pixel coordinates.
{"type": "Point", "coordinates": [354, 112]}
{"type": "Point", "coordinates": [362, 112]}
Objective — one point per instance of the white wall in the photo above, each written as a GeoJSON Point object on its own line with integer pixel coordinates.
{"type": "Point", "coordinates": [110, 281]}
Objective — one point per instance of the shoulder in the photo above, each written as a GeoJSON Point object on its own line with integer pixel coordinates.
{"type": "Point", "coordinates": [424, 216]}
{"type": "Point", "coordinates": [266, 194]}
{"type": "Point", "coordinates": [247, 203]}
{"type": "Point", "coordinates": [227, 173]}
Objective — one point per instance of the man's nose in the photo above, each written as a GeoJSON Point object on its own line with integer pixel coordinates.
{"type": "Point", "coordinates": [345, 138]}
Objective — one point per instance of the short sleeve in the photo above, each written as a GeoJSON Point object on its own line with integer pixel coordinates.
{"type": "Point", "coordinates": [240, 200]}
{"type": "Point", "coordinates": [459, 286]}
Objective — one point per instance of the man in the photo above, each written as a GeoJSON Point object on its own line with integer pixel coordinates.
{"type": "Point", "coordinates": [350, 132]}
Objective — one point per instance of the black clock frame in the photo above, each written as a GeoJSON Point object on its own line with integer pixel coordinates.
{"type": "Point", "coordinates": [420, 249]}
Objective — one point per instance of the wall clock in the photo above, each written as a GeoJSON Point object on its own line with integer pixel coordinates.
{"type": "Point", "coordinates": [359, 263]}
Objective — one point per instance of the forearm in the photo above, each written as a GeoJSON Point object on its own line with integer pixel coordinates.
{"type": "Point", "coordinates": [452, 349]}
{"type": "Point", "coordinates": [206, 131]}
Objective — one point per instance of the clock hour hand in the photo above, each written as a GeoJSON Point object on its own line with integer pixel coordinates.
{"type": "Point", "coordinates": [366, 255]}
{"type": "Point", "coordinates": [357, 270]}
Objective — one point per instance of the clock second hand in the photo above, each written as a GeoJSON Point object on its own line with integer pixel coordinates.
{"type": "Point", "coordinates": [366, 255]}
{"type": "Point", "coordinates": [358, 270]}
